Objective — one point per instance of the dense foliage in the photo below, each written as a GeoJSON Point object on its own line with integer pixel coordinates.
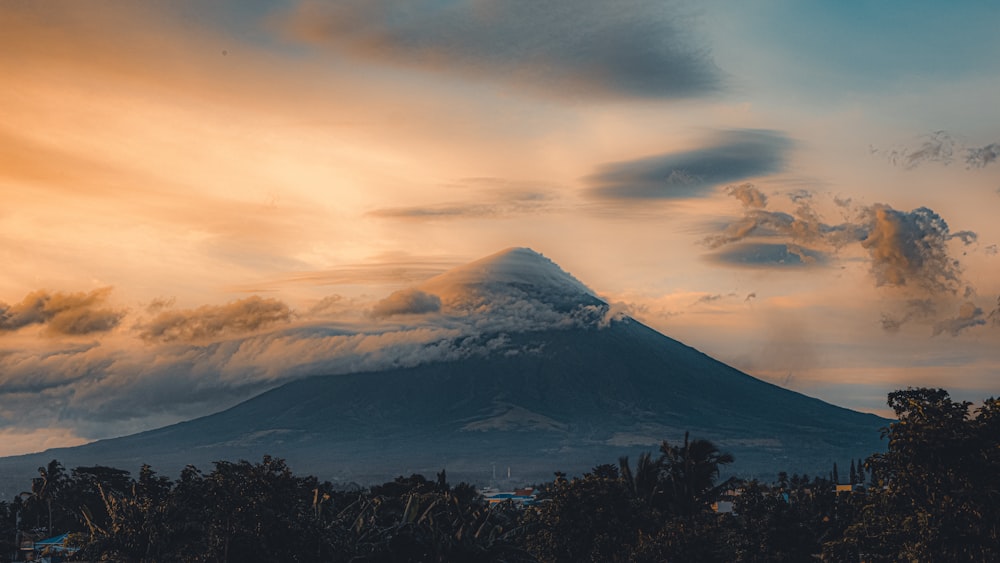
{"type": "Point", "coordinates": [932, 496]}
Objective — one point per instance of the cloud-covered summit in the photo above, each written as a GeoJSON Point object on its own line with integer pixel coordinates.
{"type": "Point", "coordinates": [178, 363]}
{"type": "Point", "coordinates": [509, 276]}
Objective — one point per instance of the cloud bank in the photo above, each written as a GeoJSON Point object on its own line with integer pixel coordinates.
{"type": "Point", "coordinates": [62, 313]}
{"type": "Point", "coordinates": [585, 49]}
{"type": "Point", "coordinates": [177, 364]}
{"type": "Point", "coordinates": [731, 156]}
{"type": "Point", "coordinates": [407, 302]}
{"type": "Point", "coordinates": [212, 321]}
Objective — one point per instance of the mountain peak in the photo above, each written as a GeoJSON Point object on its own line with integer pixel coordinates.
{"type": "Point", "coordinates": [516, 270]}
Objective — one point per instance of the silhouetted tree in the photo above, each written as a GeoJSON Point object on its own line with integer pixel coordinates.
{"type": "Point", "coordinates": [934, 494]}
{"type": "Point", "coordinates": [688, 474]}
{"type": "Point", "coordinates": [46, 488]}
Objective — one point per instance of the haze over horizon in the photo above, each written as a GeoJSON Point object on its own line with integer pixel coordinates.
{"type": "Point", "coordinates": [205, 201]}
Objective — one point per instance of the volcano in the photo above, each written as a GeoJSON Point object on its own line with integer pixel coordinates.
{"type": "Point", "coordinates": [556, 383]}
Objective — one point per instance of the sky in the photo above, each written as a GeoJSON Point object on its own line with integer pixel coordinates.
{"type": "Point", "coordinates": [204, 200]}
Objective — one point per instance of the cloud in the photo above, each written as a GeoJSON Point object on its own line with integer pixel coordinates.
{"type": "Point", "coordinates": [211, 321]}
{"type": "Point", "coordinates": [940, 147]}
{"type": "Point", "coordinates": [912, 248]}
{"type": "Point", "coordinates": [908, 252]}
{"type": "Point", "coordinates": [62, 313]}
{"type": "Point", "coordinates": [212, 357]}
{"type": "Point", "coordinates": [494, 198]}
{"type": "Point", "coordinates": [994, 315]}
{"type": "Point", "coordinates": [583, 49]}
{"type": "Point", "coordinates": [980, 157]}
{"type": "Point", "coordinates": [913, 309]}
{"type": "Point", "coordinates": [767, 255]}
{"type": "Point", "coordinates": [905, 248]}
{"type": "Point", "coordinates": [732, 156]}
{"type": "Point", "coordinates": [749, 195]}
{"type": "Point", "coordinates": [969, 315]}
{"type": "Point", "coordinates": [407, 302]}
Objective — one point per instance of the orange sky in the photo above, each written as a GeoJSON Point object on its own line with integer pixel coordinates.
{"type": "Point", "coordinates": [282, 169]}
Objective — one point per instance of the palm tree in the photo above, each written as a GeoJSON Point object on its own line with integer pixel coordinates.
{"type": "Point", "coordinates": [46, 487]}
{"type": "Point", "coordinates": [644, 483]}
{"type": "Point", "coordinates": [689, 473]}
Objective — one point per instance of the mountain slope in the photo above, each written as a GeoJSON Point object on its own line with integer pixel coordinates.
{"type": "Point", "coordinates": [563, 397]}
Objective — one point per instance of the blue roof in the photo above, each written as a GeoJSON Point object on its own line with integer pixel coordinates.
{"type": "Point", "coordinates": [55, 543]}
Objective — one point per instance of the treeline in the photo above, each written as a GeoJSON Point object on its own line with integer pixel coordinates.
{"type": "Point", "coordinates": [932, 496]}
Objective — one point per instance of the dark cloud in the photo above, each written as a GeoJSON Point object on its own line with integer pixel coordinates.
{"type": "Point", "coordinates": [980, 157]}
{"type": "Point", "coordinates": [969, 315]}
{"type": "Point", "coordinates": [765, 255]}
{"type": "Point", "coordinates": [407, 302]}
{"type": "Point", "coordinates": [62, 313]}
{"type": "Point", "coordinates": [210, 321]}
{"type": "Point", "coordinates": [583, 49]}
{"type": "Point", "coordinates": [733, 156]}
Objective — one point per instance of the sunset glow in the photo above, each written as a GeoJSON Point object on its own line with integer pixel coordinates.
{"type": "Point", "coordinates": [202, 202]}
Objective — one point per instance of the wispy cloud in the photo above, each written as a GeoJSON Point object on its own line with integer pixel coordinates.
{"type": "Point", "coordinates": [731, 156]}
{"type": "Point", "coordinates": [490, 198]}
{"type": "Point", "coordinates": [584, 49]}
{"type": "Point", "coordinates": [969, 315]}
{"type": "Point", "coordinates": [940, 147]}
{"type": "Point", "coordinates": [980, 157]}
